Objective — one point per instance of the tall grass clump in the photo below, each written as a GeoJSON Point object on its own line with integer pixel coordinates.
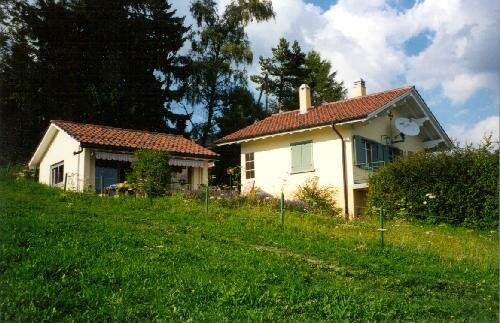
{"type": "Point", "coordinates": [458, 187]}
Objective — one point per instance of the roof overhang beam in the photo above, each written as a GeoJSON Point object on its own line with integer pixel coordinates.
{"type": "Point", "coordinates": [432, 143]}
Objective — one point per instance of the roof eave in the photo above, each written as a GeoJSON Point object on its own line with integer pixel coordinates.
{"type": "Point", "coordinates": [290, 131]}
{"type": "Point", "coordinates": [418, 98]}
{"type": "Point", "coordinates": [413, 93]}
{"type": "Point", "coordinates": [42, 147]}
{"type": "Point", "coordinates": [132, 149]}
{"type": "Point", "coordinates": [388, 105]}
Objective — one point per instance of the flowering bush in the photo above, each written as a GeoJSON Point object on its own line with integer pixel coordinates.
{"type": "Point", "coordinates": [318, 198]}
{"type": "Point", "coordinates": [26, 173]}
{"type": "Point", "coordinates": [458, 187]}
{"type": "Point", "coordinates": [226, 197]}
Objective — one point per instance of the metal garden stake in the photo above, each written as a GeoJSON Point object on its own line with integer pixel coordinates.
{"type": "Point", "coordinates": [282, 208]}
{"type": "Point", "coordinates": [206, 199]}
{"type": "Point", "coordinates": [381, 229]}
{"type": "Point", "coordinates": [150, 195]}
{"type": "Point", "coordinates": [65, 180]}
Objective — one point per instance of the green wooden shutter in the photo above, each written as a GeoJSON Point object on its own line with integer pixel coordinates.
{"type": "Point", "coordinates": [307, 156]}
{"type": "Point", "coordinates": [302, 157]}
{"type": "Point", "coordinates": [359, 151]}
{"type": "Point", "coordinates": [296, 158]}
{"type": "Point", "coordinates": [386, 154]}
{"type": "Point", "coordinates": [379, 155]}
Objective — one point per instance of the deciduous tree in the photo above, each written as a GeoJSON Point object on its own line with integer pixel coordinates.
{"type": "Point", "coordinates": [220, 50]}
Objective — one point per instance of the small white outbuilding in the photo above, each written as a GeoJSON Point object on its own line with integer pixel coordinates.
{"type": "Point", "coordinates": [81, 156]}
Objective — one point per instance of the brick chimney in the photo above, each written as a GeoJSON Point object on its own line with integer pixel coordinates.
{"type": "Point", "coordinates": [304, 98]}
{"type": "Point", "coordinates": [359, 89]}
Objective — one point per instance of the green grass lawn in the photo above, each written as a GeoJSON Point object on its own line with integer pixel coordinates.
{"type": "Point", "coordinates": [70, 256]}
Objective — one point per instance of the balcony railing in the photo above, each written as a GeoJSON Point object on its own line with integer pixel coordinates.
{"type": "Point", "coordinates": [363, 171]}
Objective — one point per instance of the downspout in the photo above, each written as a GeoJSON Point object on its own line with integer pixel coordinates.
{"type": "Point", "coordinates": [78, 168]}
{"type": "Point", "coordinates": [344, 172]}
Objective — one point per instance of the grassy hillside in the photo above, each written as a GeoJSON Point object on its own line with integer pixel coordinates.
{"type": "Point", "coordinates": [82, 257]}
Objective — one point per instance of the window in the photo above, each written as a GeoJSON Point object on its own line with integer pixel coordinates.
{"type": "Point", "coordinates": [368, 150]}
{"type": "Point", "coordinates": [249, 166]}
{"type": "Point", "coordinates": [372, 155]}
{"type": "Point", "coordinates": [57, 174]}
{"type": "Point", "coordinates": [107, 174]}
{"type": "Point", "coordinates": [302, 157]}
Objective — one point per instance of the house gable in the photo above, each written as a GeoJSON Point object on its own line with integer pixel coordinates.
{"type": "Point", "coordinates": [59, 149]}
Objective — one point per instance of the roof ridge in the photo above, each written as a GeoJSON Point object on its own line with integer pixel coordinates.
{"type": "Point", "coordinates": [349, 99]}
{"type": "Point", "coordinates": [117, 128]}
{"type": "Point", "coordinates": [407, 87]}
{"type": "Point", "coordinates": [338, 111]}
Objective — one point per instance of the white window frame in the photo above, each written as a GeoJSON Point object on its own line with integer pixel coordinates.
{"type": "Point", "coordinates": [55, 170]}
{"type": "Point", "coordinates": [249, 172]}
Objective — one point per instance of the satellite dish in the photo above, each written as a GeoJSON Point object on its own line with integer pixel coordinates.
{"type": "Point", "coordinates": [407, 127]}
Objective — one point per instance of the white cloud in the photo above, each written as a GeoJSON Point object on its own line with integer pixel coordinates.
{"type": "Point", "coordinates": [474, 134]}
{"type": "Point", "coordinates": [366, 39]}
{"type": "Point", "coordinates": [463, 86]}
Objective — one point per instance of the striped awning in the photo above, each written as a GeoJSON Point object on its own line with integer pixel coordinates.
{"type": "Point", "coordinates": [186, 162]}
{"type": "Point", "coordinates": [106, 155]}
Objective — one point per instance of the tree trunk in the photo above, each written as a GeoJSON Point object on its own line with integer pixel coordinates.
{"type": "Point", "coordinates": [210, 110]}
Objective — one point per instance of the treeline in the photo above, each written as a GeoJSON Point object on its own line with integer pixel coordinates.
{"type": "Point", "coordinates": [138, 64]}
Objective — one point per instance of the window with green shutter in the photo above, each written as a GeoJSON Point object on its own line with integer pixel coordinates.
{"type": "Point", "coordinates": [369, 154]}
{"type": "Point", "coordinates": [302, 157]}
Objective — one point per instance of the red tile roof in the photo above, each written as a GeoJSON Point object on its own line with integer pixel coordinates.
{"type": "Point", "coordinates": [95, 135]}
{"type": "Point", "coordinates": [340, 111]}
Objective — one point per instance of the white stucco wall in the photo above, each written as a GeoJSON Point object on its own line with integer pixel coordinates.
{"type": "Point", "coordinates": [272, 162]}
{"type": "Point", "coordinates": [60, 149]}
{"type": "Point", "coordinates": [375, 128]}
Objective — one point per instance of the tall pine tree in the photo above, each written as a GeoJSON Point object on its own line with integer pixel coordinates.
{"type": "Point", "coordinates": [282, 74]}
{"type": "Point", "coordinates": [107, 62]}
{"type": "Point", "coordinates": [288, 68]}
{"type": "Point", "coordinates": [321, 80]}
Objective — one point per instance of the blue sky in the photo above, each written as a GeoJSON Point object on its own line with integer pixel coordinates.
{"type": "Point", "coordinates": [448, 49]}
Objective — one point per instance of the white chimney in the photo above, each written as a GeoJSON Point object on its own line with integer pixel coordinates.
{"type": "Point", "coordinates": [359, 89]}
{"type": "Point", "coordinates": [304, 98]}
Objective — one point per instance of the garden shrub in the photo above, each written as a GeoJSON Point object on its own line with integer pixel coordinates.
{"type": "Point", "coordinates": [319, 198]}
{"type": "Point", "coordinates": [457, 187]}
{"type": "Point", "coordinates": [151, 172]}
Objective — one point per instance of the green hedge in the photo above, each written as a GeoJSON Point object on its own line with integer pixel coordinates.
{"type": "Point", "coordinates": [458, 187]}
